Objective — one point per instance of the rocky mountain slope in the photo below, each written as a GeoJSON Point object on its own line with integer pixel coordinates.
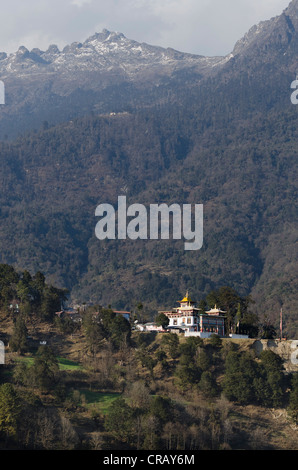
{"type": "Point", "coordinates": [101, 52]}
{"type": "Point", "coordinates": [108, 72]}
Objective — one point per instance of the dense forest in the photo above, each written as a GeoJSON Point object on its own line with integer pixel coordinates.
{"type": "Point", "coordinates": [52, 182]}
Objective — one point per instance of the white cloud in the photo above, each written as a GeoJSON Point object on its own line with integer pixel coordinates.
{"type": "Point", "coordinates": [209, 27]}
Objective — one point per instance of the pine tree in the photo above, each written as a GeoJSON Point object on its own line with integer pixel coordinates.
{"type": "Point", "coordinates": [18, 340]}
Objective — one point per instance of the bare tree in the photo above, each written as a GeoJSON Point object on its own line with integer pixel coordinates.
{"type": "Point", "coordinates": [152, 428]}
{"type": "Point", "coordinates": [258, 439]}
{"type": "Point", "coordinates": [46, 425]}
{"type": "Point", "coordinates": [139, 395]}
{"type": "Point", "coordinates": [168, 434]}
{"type": "Point", "coordinates": [96, 441]}
{"type": "Point", "coordinates": [68, 437]}
{"type": "Point", "coordinates": [227, 431]}
{"type": "Point", "coordinates": [194, 434]}
{"type": "Point", "coordinates": [224, 406]}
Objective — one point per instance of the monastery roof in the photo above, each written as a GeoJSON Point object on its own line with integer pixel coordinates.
{"type": "Point", "coordinates": [186, 299]}
{"type": "Point", "coordinates": [216, 310]}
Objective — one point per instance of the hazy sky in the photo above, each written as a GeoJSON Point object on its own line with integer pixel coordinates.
{"type": "Point", "coordinates": [208, 27]}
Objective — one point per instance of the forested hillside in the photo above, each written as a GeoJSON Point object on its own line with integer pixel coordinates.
{"type": "Point", "coordinates": [99, 384]}
{"type": "Point", "coordinates": [52, 182]}
{"type": "Point", "coordinates": [226, 139]}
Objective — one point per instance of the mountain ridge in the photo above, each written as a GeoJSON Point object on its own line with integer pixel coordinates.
{"type": "Point", "coordinates": [99, 51]}
{"type": "Point", "coordinates": [106, 73]}
{"type": "Point", "coordinates": [109, 42]}
{"type": "Point", "coordinates": [110, 73]}
{"type": "Point", "coordinates": [263, 29]}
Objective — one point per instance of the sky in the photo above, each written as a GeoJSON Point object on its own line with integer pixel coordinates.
{"type": "Point", "coordinates": [207, 27]}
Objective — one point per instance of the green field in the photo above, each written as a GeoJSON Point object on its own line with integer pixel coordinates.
{"type": "Point", "coordinates": [64, 364]}
{"type": "Point", "coordinates": [101, 399]}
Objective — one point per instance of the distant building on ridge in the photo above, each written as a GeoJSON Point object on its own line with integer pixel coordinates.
{"type": "Point", "coordinates": [193, 321]}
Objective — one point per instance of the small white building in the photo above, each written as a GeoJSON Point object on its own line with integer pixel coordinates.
{"type": "Point", "coordinates": [148, 327]}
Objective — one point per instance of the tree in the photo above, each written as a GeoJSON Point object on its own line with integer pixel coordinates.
{"type": "Point", "coordinates": [32, 293]}
{"type": "Point", "coordinates": [139, 395]}
{"type": "Point", "coordinates": [52, 299]}
{"type": "Point", "coordinates": [23, 291]}
{"type": "Point", "coordinates": [187, 373]}
{"type": "Point", "coordinates": [162, 408]}
{"type": "Point", "coordinates": [18, 340]}
{"type": "Point", "coordinates": [146, 360]}
{"type": "Point", "coordinates": [271, 360]}
{"type": "Point", "coordinates": [119, 330]}
{"type": "Point", "coordinates": [138, 316]}
{"type": "Point", "coordinates": [21, 373]}
{"type": "Point", "coordinates": [171, 343]}
{"type": "Point", "coordinates": [240, 373]}
{"type": "Point", "coordinates": [119, 420]}
{"type": "Point", "coordinates": [272, 369]}
{"type": "Point", "coordinates": [9, 410]}
{"type": "Point", "coordinates": [190, 346]}
{"type": "Point", "coordinates": [66, 325]}
{"type": "Point", "coordinates": [39, 281]}
{"type": "Point", "coordinates": [267, 330]}
{"type": "Point", "coordinates": [202, 306]}
{"type": "Point", "coordinates": [94, 332]}
{"type": "Point", "coordinates": [203, 360]}
{"type": "Point", "coordinates": [249, 324]}
{"type": "Point", "coordinates": [160, 355]}
{"type": "Point", "coordinates": [45, 368]}
{"type": "Point", "coordinates": [8, 281]}
{"type": "Point", "coordinates": [162, 320]}
{"type": "Point", "coordinates": [152, 430]}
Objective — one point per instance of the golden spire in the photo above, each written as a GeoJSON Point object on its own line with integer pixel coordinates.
{"type": "Point", "coordinates": [186, 298]}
